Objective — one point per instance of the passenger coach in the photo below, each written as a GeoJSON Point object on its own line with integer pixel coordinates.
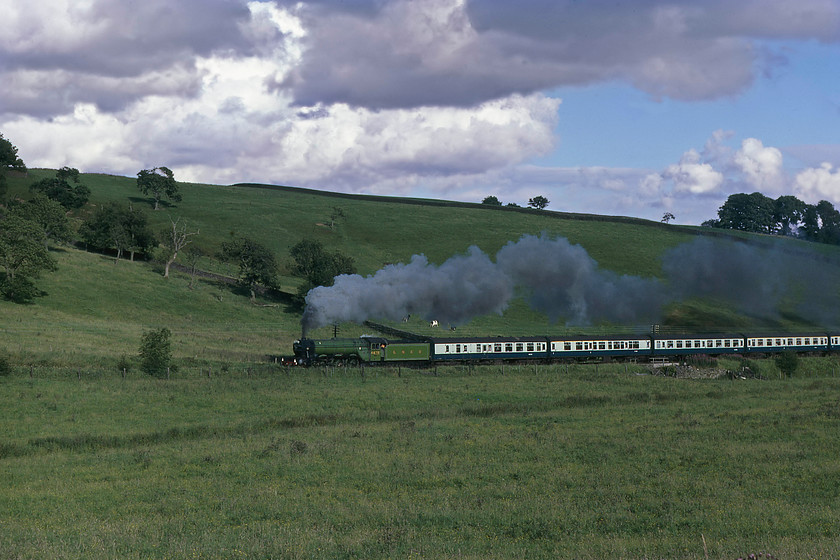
{"type": "Point", "coordinates": [489, 349]}
{"type": "Point", "coordinates": [594, 346]}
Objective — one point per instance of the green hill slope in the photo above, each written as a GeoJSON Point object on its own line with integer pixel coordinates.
{"type": "Point", "coordinates": [95, 309]}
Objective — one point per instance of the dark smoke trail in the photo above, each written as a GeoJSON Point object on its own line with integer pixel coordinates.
{"type": "Point", "coordinates": [561, 280]}
{"type": "Point", "coordinates": [463, 287]}
{"type": "Point", "coordinates": [564, 282]}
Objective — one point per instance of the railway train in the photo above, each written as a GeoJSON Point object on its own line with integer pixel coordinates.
{"type": "Point", "coordinates": [500, 349]}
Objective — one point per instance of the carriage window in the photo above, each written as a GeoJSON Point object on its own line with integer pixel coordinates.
{"type": "Point", "coordinates": [567, 346]}
{"type": "Point", "coordinates": [709, 344]}
{"type": "Point", "coordinates": [497, 348]}
{"type": "Point", "coordinates": [679, 344]}
{"type": "Point", "coordinates": [799, 342]}
{"type": "Point", "coordinates": [578, 345]}
{"type": "Point", "coordinates": [519, 347]}
{"type": "Point", "coordinates": [530, 347]}
{"type": "Point", "coordinates": [727, 343]}
{"type": "Point", "coordinates": [508, 347]}
{"type": "Point", "coordinates": [457, 348]}
{"type": "Point", "coordinates": [718, 343]}
{"type": "Point", "coordinates": [670, 344]}
{"type": "Point", "coordinates": [760, 342]}
{"type": "Point", "coordinates": [602, 346]}
{"type": "Point", "coordinates": [790, 342]}
{"type": "Point", "coordinates": [807, 341]}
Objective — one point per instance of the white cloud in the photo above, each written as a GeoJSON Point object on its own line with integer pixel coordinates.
{"type": "Point", "coordinates": [692, 176]}
{"type": "Point", "coordinates": [761, 166]}
{"type": "Point", "coordinates": [819, 183]}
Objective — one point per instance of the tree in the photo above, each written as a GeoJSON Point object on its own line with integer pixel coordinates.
{"type": "Point", "coordinates": [829, 223]}
{"type": "Point", "coordinates": [538, 202]}
{"type": "Point", "coordinates": [491, 201]}
{"type": "Point", "coordinates": [60, 189]}
{"type": "Point", "coordinates": [257, 264]}
{"type": "Point", "coordinates": [747, 212]}
{"type": "Point", "coordinates": [318, 266]}
{"type": "Point", "coordinates": [23, 256]}
{"type": "Point", "coordinates": [121, 229]}
{"type": "Point", "coordinates": [9, 161]}
{"type": "Point", "coordinates": [667, 217]}
{"type": "Point", "coordinates": [194, 254]}
{"type": "Point", "coordinates": [336, 214]}
{"type": "Point", "coordinates": [788, 363]}
{"type": "Point", "coordinates": [159, 182]}
{"type": "Point", "coordinates": [788, 211]}
{"type": "Point", "coordinates": [156, 352]}
{"type": "Point", "coordinates": [48, 214]}
{"type": "Point", "coordinates": [176, 239]}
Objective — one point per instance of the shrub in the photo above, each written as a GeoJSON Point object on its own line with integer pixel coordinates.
{"type": "Point", "coordinates": [5, 366]}
{"type": "Point", "coordinates": [788, 362]}
{"type": "Point", "coordinates": [155, 352]}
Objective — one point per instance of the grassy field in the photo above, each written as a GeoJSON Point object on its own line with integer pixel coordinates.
{"type": "Point", "coordinates": [546, 462]}
{"type": "Point", "coordinates": [234, 457]}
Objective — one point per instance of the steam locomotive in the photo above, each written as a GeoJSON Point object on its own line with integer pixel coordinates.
{"type": "Point", "coordinates": [501, 349]}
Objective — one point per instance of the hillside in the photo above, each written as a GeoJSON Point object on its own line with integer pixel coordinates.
{"type": "Point", "coordinates": [95, 309]}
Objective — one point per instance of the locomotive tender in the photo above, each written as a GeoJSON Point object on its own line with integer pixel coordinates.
{"type": "Point", "coordinates": [378, 350]}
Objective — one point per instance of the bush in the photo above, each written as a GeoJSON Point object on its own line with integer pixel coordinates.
{"type": "Point", "coordinates": [156, 352]}
{"type": "Point", "coordinates": [5, 366]}
{"type": "Point", "coordinates": [787, 362]}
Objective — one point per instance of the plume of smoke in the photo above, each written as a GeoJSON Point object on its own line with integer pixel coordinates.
{"type": "Point", "coordinates": [560, 279]}
{"type": "Point", "coordinates": [749, 278]}
{"type": "Point", "coordinates": [563, 280]}
{"type": "Point", "coordinates": [463, 287]}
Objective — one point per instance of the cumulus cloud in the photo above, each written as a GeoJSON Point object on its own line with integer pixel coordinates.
{"type": "Point", "coordinates": [761, 166]}
{"type": "Point", "coordinates": [819, 183]}
{"type": "Point", "coordinates": [693, 176]}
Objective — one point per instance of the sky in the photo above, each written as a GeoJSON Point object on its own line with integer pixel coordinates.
{"type": "Point", "coordinates": [617, 107]}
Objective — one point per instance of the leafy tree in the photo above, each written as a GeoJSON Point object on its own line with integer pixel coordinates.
{"type": "Point", "coordinates": [60, 189]}
{"type": "Point", "coordinates": [538, 202]}
{"type": "Point", "coordinates": [47, 213]}
{"type": "Point", "coordinates": [9, 161]}
{"type": "Point", "coordinates": [174, 240]}
{"type": "Point", "coordinates": [512, 205]}
{"type": "Point", "coordinates": [194, 255]}
{"type": "Point", "coordinates": [829, 223]}
{"type": "Point", "coordinates": [747, 212]}
{"type": "Point", "coordinates": [318, 266]}
{"type": "Point", "coordinates": [159, 182]}
{"type": "Point", "coordinates": [156, 351]}
{"type": "Point", "coordinates": [667, 217]}
{"type": "Point", "coordinates": [23, 256]}
{"type": "Point", "coordinates": [492, 201]}
{"type": "Point", "coordinates": [788, 211]}
{"type": "Point", "coordinates": [336, 214]}
{"type": "Point", "coordinates": [257, 264]}
{"type": "Point", "coordinates": [810, 223]}
{"type": "Point", "coordinates": [115, 227]}
{"type": "Point", "coordinates": [788, 363]}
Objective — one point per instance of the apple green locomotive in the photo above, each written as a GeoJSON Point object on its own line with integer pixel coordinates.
{"type": "Point", "coordinates": [367, 349]}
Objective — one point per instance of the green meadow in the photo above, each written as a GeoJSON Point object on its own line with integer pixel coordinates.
{"type": "Point", "coordinates": [526, 462]}
{"type": "Point", "coordinates": [234, 456]}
